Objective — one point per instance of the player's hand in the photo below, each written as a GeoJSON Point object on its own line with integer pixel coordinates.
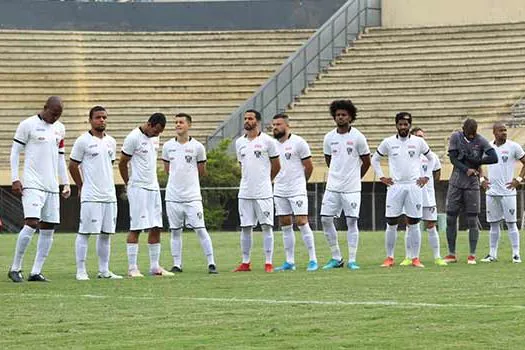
{"type": "Point", "coordinates": [422, 181]}
{"type": "Point", "coordinates": [387, 181]}
{"type": "Point", "coordinates": [513, 184]}
{"type": "Point", "coordinates": [485, 184]}
{"type": "Point", "coordinates": [66, 191]}
{"type": "Point", "coordinates": [17, 188]}
{"type": "Point", "coordinates": [472, 172]}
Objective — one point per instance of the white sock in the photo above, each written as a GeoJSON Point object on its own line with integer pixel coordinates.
{"type": "Point", "coordinates": [133, 252]}
{"type": "Point", "coordinates": [267, 232]}
{"type": "Point", "coordinates": [154, 256]}
{"type": "Point", "coordinates": [414, 233]}
{"type": "Point", "coordinates": [494, 238]}
{"type": "Point", "coordinates": [176, 247]}
{"type": "Point", "coordinates": [289, 243]}
{"type": "Point", "coordinates": [514, 238]}
{"type": "Point", "coordinates": [390, 239]}
{"type": "Point", "coordinates": [24, 238]}
{"type": "Point", "coordinates": [433, 241]}
{"type": "Point", "coordinates": [408, 245]}
{"type": "Point", "coordinates": [308, 238]}
{"type": "Point", "coordinates": [352, 236]}
{"type": "Point", "coordinates": [330, 234]}
{"type": "Point", "coordinates": [45, 241]}
{"type": "Point", "coordinates": [81, 249]}
{"type": "Point", "coordinates": [206, 244]}
{"type": "Point", "coordinates": [246, 244]}
{"type": "Point", "coordinates": [103, 252]}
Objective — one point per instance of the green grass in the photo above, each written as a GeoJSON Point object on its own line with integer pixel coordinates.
{"type": "Point", "coordinates": [460, 306]}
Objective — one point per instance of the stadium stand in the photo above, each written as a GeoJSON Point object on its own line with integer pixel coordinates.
{"type": "Point", "coordinates": [206, 74]}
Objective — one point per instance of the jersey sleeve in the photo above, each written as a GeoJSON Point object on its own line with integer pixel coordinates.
{"type": "Point", "coordinates": [486, 145]}
{"type": "Point", "coordinates": [62, 142]}
{"type": "Point", "coordinates": [238, 149]}
{"type": "Point", "coordinates": [201, 154]}
{"type": "Point", "coordinates": [273, 152]}
{"type": "Point", "coordinates": [424, 148]}
{"type": "Point", "coordinates": [22, 133]}
{"type": "Point", "coordinates": [518, 152]}
{"type": "Point", "coordinates": [77, 152]}
{"type": "Point", "coordinates": [113, 150]}
{"type": "Point", "coordinates": [382, 149]}
{"type": "Point", "coordinates": [129, 146]}
{"type": "Point", "coordinates": [327, 149]}
{"type": "Point", "coordinates": [362, 146]}
{"type": "Point", "coordinates": [303, 150]}
{"type": "Point", "coordinates": [453, 142]}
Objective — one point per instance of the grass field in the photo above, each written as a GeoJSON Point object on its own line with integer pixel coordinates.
{"type": "Point", "coordinates": [457, 307]}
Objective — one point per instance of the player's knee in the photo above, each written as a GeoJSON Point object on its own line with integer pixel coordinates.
{"type": "Point", "coordinates": [301, 220]}
{"type": "Point", "coordinates": [430, 224]}
{"type": "Point", "coordinates": [285, 220]}
{"type": "Point", "coordinates": [33, 223]}
{"type": "Point", "coordinates": [327, 220]}
{"type": "Point", "coordinates": [413, 221]}
{"type": "Point", "coordinates": [392, 221]}
{"type": "Point", "coordinates": [472, 221]}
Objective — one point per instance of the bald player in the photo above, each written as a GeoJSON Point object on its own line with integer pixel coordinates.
{"type": "Point", "coordinates": [500, 189]}
{"type": "Point", "coordinates": [41, 139]}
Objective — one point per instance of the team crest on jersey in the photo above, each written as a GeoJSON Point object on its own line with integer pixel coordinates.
{"type": "Point", "coordinates": [425, 167]}
{"type": "Point", "coordinates": [299, 203]}
{"type": "Point", "coordinates": [266, 213]}
{"type": "Point", "coordinates": [349, 150]}
{"type": "Point", "coordinates": [188, 159]}
{"type": "Point", "coordinates": [504, 158]}
{"type": "Point", "coordinates": [199, 215]}
{"type": "Point", "coordinates": [257, 154]}
{"type": "Point", "coordinates": [353, 205]}
{"type": "Point", "coordinates": [512, 211]}
{"type": "Point", "coordinates": [110, 153]}
{"type": "Point", "coordinates": [288, 155]}
{"type": "Point", "coordinates": [411, 153]}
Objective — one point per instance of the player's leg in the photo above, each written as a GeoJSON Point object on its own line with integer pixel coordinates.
{"type": "Point", "coordinates": [351, 207]}
{"type": "Point", "coordinates": [264, 209]}
{"type": "Point", "coordinates": [331, 207]}
{"type": "Point", "coordinates": [109, 223]}
{"type": "Point", "coordinates": [50, 217]}
{"type": "Point", "coordinates": [248, 220]}
{"type": "Point", "coordinates": [176, 222]}
{"type": "Point", "coordinates": [300, 210]}
{"type": "Point", "coordinates": [509, 209]}
{"type": "Point", "coordinates": [195, 219]}
{"type": "Point", "coordinates": [136, 200]}
{"type": "Point", "coordinates": [453, 205]}
{"type": "Point", "coordinates": [472, 205]}
{"type": "Point", "coordinates": [395, 196]}
{"type": "Point", "coordinates": [494, 211]}
{"type": "Point", "coordinates": [90, 222]}
{"type": "Point", "coordinates": [32, 202]}
{"type": "Point", "coordinates": [154, 219]}
{"type": "Point", "coordinates": [413, 205]}
{"type": "Point", "coordinates": [407, 261]}
{"type": "Point", "coordinates": [430, 219]}
{"type": "Point", "coordinates": [283, 210]}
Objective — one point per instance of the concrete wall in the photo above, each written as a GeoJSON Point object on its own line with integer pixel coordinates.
{"type": "Point", "coordinates": [166, 16]}
{"type": "Point", "coordinates": [414, 13]}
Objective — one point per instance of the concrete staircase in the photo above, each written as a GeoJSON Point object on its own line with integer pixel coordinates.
{"type": "Point", "coordinates": [205, 74]}
{"type": "Point", "coordinates": [440, 75]}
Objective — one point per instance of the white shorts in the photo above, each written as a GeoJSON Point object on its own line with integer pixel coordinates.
{"type": "Point", "coordinates": [185, 214]}
{"type": "Point", "coordinates": [96, 217]}
{"type": "Point", "coordinates": [501, 208]}
{"type": "Point", "coordinates": [404, 199]}
{"type": "Point", "coordinates": [335, 202]}
{"type": "Point", "coordinates": [252, 211]}
{"type": "Point", "coordinates": [297, 205]}
{"type": "Point", "coordinates": [430, 214]}
{"type": "Point", "coordinates": [145, 209]}
{"type": "Point", "coordinates": [41, 205]}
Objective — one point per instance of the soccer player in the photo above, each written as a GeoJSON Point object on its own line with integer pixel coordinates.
{"type": "Point", "coordinates": [429, 206]}
{"type": "Point", "coordinates": [347, 156]}
{"type": "Point", "coordinates": [185, 160]}
{"type": "Point", "coordinates": [91, 168]}
{"type": "Point", "coordinates": [145, 208]}
{"type": "Point", "coordinates": [259, 158]}
{"type": "Point", "coordinates": [290, 191]}
{"type": "Point", "coordinates": [467, 151]}
{"type": "Point", "coordinates": [41, 138]}
{"type": "Point", "coordinates": [501, 192]}
{"type": "Point", "coordinates": [404, 192]}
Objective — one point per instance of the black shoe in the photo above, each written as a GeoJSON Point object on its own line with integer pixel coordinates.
{"type": "Point", "coordinates": [37, 278]}
{"type": "Point", "coordinates": [176, 269]}
{"type": "Point", "coordinates": [15, 276]}
{"type": "Point", "coordinates": [212, 269]}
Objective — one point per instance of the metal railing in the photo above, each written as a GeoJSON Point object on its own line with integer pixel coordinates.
{"type": "Point", "coordinates": [304, 66]}
{"type": "Point", "coordinates": [11, 211]}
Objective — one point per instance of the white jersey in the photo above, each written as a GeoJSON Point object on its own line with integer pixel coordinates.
{"type": "Point", "coordinates": [427, 169]}
{"type": "Point", "coordinates": [42, 143]}
{"type": "Point", "coordinates": [143, 152]}
{"type": "Point", "coordinates": [345, 150]}
{"type": "Point", "coordinates": [183, 181]}
{"type": "Point", "coordinates": [254, 156]}
{"type": "Point", "coordinates": [291, 180]}
{"type": "Point", "coordinates": [404, 157]}
{"type": "Point", "coordinates": [502, 172]}
{"type": "Point", "coordinates": [96, 156]}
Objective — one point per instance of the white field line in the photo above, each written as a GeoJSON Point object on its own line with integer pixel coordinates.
{"type": "Point", "coordinates": [378, 303]}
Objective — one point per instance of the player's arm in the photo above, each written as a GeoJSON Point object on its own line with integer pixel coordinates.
{"type": "Point", "coordinates": [123, 167]}
{"type": "Point", "coordinates": [14, 160]}
{"type": "Point", "coordinates": [276, 167]}
{"type": "Point", "coordinates": [364, 154]}
{"type": "Point", "coordinates": [201, 167]}
{"type": "Point", "coordinates": [166, 166]}
{"type": "Point", "coordinates": [518, 180]}
{"type": "Point", "coordinates": [381, 151]}
{"type": "Point", "coordinates": [74, 170]}
{"type": "Point", "coordinates": [365, 164]}
{"type": "Point", "coordinates": [62, 169]}
{"type": "Point", "coordinates": [490, 156]}
{"type": "Point", "coordinates": [423, 180]}
{"type": "Point", "coordinates": [308, 167]}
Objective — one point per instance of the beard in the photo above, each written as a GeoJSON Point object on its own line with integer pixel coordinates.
{"type": "Point", "coordinates": [403, 133]}
{"type": "Point", "coordinates": [100, 128]}
{"type": "Point", "coordinates": [248, 126]}
{"type": "Point", "coordinates": [278, 135]}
